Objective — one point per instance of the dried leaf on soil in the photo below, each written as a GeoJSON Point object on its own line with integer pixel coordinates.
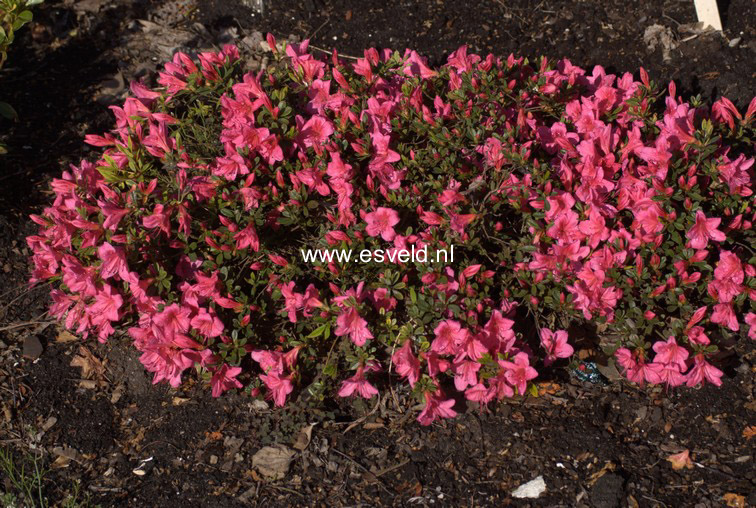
{"type": "Point", "coordinates": [303, 438]}
{"type": "Point", "coordinates": [66, 336]}
{"type": "Point", "coordinates": [177, 401]}
{"type": "Point", "coordinates": [273, 461]}
{"type": "Point", "coordinates": [609, 466]}
{"type": "Point", "coordinates": [734, 500]}
{"type": "Point", "coordinates": [681, 460]}
{"type": "Point", "coordinates": [92, 369]}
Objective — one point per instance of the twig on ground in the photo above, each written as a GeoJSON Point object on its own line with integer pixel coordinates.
{"type": "Point", "coordinates": [392, 468]}
{"type": "Point", "coordinates": [313, 34]}
{"type": "Point", "coordinates": [331, 53]}
{"type": "Point", "coordinates": [25, 324]}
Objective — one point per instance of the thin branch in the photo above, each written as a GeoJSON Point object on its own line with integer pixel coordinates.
{"type": "Point", "coordinates": [25, 324]}
{"type": "Point", "coordinates": [331, 53]}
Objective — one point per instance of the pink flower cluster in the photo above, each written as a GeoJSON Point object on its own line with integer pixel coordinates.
{"type": "Point", "coordinates": [566, 194]}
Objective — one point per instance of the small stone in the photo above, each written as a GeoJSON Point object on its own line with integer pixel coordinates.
{"type": "Point", "coordinates": [531, 490]}
{"type": "Point", "coordinates": [734, 42]}
{"type": "Point", "coordinates": [32, 347]}
{"type": "Point", "coordinates": [608, 491]}
{"type": "Point", "coordinates": [247, 495]}
{"type": "Point", "coordinates": [213, 459]}
{"type": "Point", "coordinates": [49, 423]}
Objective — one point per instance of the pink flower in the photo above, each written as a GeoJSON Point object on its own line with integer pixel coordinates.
{"type": "Point", "coordinates": [555, 344]}
{"type": "Point", "coordinates": [518, 373]}
{"type": "Point", "coordinates": [565, 228]}
{"type": "Point", "coordinates": [737, 176]}
{"type": "Point", "coordinates": [315, 132]}
{"type": "Point", "coordinates": [359, 384]}
{"type": "Point", "coordinates": [320, 97]}
{"type": "Point", "coordinates": [381, 222]}
{"type": "Point", "coordinates": [449, 334]}
{"type": "Point", "coordinates": [416, 65]}
{"type": "Point", "coordinates": [671, 374]}
{"type": "Point", "coordinates": [158, 142]}
{"type": "Point", "coordinates": [350, 323]}
{"type": "Point", "coordinates": [729, 267]}
{"type": "Point", "coordinates": [230, 167]}
{"type": "Point", "coordinates": [458, 221]}
{"type": "Point", "coordinates": [471, 347]}
{"type": "Point", "coordinates": [173, 320]}
{"type": "Point", "coordinates": [436, 407]}
{"type": "Point", "coordinates": [704, 230]}
{"type": "Point", "coordinates": [163, 355]}
{"type": "Point", "coordinates": [724, 314]}
{"type": "Point", "coordinates": [113, 262]}
{"type": "Point", "coordinates": [337, 169]}
{"type": "Point", "coordinates": [750, 320]}
{"type": "Point", "coordinates": [268, 360]}
{"type": "Point", "coordinates": [696, 335]}
{"type": "Point", "coordinates": [479, 393]}
{"type": "Point", "coordinates": [207, 323]}
{"type": "Point", "coordinates": [224, 378]}
{"type": "Point", "coordinates": [382, 300]}
{"type": "Point", "coordinates": [106, 304]}
{"type": "Point", "coordinates": [112, 213]}
{"type": "Point", "coordinates": [638, 371]}
{"type": "Point", "coordinates": [465, 372]}
{"type": "Point", "coordinates": [670, 352]}
{"type": "Point", "coordinates": [728, 278]}
{"type": "Point", "coordinates": [436, 364]}
{"type": "Point", "coordinates": [594, 228]}
{"type": "Point", "coordinates": [702, 370]}
{"type": "Point", "coordinates": [280, 386]}
{"type": "Point", "coordinates": [407, 364]}
{"type": "Point", "coordinates": [247, 238]}
{"type": "Point", "coordinates": [499, 336]}
{"type": "Point", "coordinates": [305, 302]}
{"type": "Point", "coordinates": [160, 218]}
{"type": "Point", "coordinates": [697, 316]}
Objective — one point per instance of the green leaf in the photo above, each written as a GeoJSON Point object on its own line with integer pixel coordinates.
{"type": "Point", "coordinates": [7, 111]}
{"type": "Point", "coordinates": [317, 332]}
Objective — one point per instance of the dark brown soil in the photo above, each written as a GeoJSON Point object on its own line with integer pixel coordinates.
{"type": "Point", "coordinates": [130, 443]}
{"type": "Point", "coordinates": [608, 33]}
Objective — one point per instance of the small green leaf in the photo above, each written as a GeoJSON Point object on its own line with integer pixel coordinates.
{"type": "Point", "coordinates": [7, 111]}
{"type": "Point", "coordinates": [317, 332]}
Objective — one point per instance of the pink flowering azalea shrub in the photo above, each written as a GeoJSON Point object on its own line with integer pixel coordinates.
{"type": "Point", "coordinates": [569, 197]}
